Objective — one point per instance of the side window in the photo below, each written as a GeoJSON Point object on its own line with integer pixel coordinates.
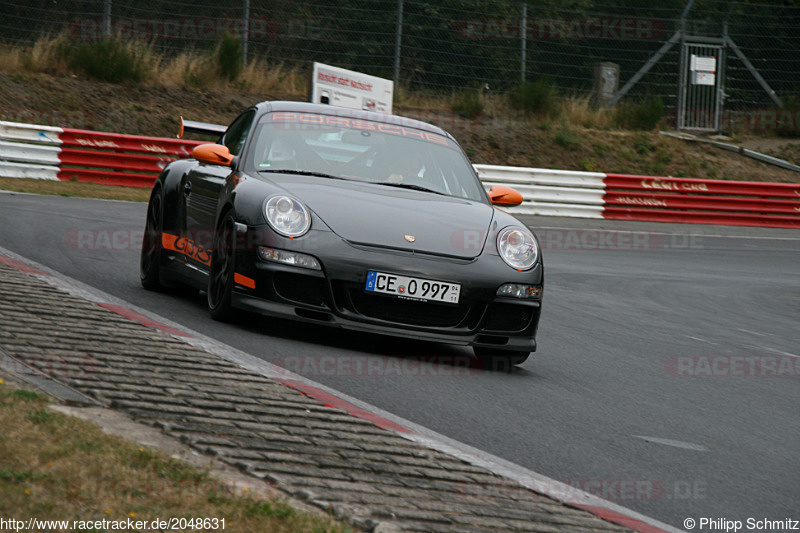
{"type": "Point", "coordinates": [237, 132]}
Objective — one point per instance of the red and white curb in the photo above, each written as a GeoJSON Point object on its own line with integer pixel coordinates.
{"type": "Point", "coordinates": [538, 483]}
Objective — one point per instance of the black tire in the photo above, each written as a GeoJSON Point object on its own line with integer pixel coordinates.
{"type": "Point", "coordinates": [498, 359]}
{"type": "Point", "coordinates": [220, 276]}
{"type": "Point", "coordinates": [150, 257]}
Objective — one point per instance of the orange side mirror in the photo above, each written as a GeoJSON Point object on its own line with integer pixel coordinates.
{"type": "Point", "coordinates": [506, 196]}
{"type": "Point", "coordinates": [213, 154]}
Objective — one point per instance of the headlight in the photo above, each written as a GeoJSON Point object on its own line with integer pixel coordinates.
{"type": "Point", "coordinates": [518, 248]}
{"type": "Point", "coordinates": [287, 216]}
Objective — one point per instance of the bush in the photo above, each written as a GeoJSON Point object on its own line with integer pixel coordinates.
{"type": "Point", "coordinates": [539, 97]}
{"type": "Point", "coordinates": [111, 60]}
{"type": "Point", "coordinates": [50, 53]}
{"type": "Point", "coordinates": [230, 57]}
{"type": "Point", "coordinates": [642, 145]}
{"type": "Point", "coordinates": [787, 117]}
{"type": "Point", "coordinates": [565, 136]}
{"type": "Point", "coordinates": [468, 104]}
{"type": "Point", "coordinates": [643, 115]}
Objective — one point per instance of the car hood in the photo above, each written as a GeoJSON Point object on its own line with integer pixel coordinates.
{"type": "Point", "coordinates": [389, 217]}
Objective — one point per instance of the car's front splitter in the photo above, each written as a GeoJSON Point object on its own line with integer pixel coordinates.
{"type": "Point", "coordinates": [327, 317]}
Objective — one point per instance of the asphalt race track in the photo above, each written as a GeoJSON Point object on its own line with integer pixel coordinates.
{"type": "Point", "coordinates": [667, 378]}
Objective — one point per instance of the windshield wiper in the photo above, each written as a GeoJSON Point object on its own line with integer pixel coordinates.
{"type": "Point", "coordinates": [409, 186]}
{"type": "Point", "coordinates": [303, 173]}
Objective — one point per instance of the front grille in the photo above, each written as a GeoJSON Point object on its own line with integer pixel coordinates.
{"type": "Point", "coordinates": [508, 317]}
{"type": "Point", "coordinates": [299, 288]}
{"type": "Point", "coordinates": [398, 310]}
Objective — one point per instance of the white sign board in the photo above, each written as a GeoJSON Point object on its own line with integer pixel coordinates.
{"type": "Point", "coordinates": [704, 78]}
{"type": "Point", "coordinates": [703, 69]}
{"type": "Point", "coordinates": [703, 63]}
{"type": "Point", "coordinates": [353, 90]}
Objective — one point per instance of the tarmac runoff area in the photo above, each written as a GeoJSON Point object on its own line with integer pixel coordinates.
{"type": "Point", "coordinates": [152, 383]}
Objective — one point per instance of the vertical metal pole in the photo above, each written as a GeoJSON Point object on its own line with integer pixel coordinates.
{"type": "Point", "coordinates": [398, 39]}
{"type": "Point", "coordinates": [524, 40]}
{"type": "Point", "coordinates": [690, 117]}
{"type": "Point", "coordinates": [701, 106]}
{"type": "Point", "coordinates": [684, 65]}
{"type": "Point", "coordinates": [720, 89]}
{"type": "Point", "coordinates": [711, 92]}
{"type": "Point", "coordinates": [682, 89]}
{"type": "Point", "coordinates": [723, 50]}
{"type": "Point", "coordinates": [708, 92]}
{"type": "Point", "coordinates": [106, 18]}
{"type": "Point", "coordinates": [696, 102]}
{"type": "Point", "coordinates": [245, 31]}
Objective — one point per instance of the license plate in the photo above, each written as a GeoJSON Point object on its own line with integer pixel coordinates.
{"type": "Point", "coordinates": [413, 288]}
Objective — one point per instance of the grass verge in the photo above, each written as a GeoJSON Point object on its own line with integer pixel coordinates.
{"type": "Point", "coordinates": [74, 188]}
{"type": "Point", "coordinates": [55, 467]}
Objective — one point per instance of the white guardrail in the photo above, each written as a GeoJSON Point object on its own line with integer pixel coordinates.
{"type": "Point", "coordinates": [559, 193]}
{"type": "Point", "coordinates": [29, 151]}
{"type": "Point", "coordinates": [44, 152]}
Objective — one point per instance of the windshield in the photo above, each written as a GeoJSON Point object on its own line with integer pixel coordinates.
{"type": "Point", "coordinates": [363, 150]}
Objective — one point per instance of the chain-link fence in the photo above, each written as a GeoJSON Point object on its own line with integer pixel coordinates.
{"type": "Point", "coordinates": [463, 44]}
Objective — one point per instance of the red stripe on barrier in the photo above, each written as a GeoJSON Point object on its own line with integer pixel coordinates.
{"type": "Point", "coordinates": [701, 217]}
{"type": "Point", "coordinates": [127, 143]}
{"type": "Point", "coordinates": [696, 201]}
{"type": "Point", "coordinates": [96, 159]}
{"type": "Point", "coordinates": [709, 203]}
{"type": "Point", "coordinates": [655, 184]}
{"type": "Point", "coordinates": [117, 159]}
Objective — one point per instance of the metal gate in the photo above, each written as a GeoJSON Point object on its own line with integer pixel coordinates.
{"type": "Point", "coordinates": [701, 86]}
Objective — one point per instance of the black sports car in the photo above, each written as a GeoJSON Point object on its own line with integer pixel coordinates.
{"type": "Point", "coordinates": [347, 218]}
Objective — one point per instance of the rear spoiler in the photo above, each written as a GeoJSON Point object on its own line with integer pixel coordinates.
{"type": "Point", "coordinates": [203, 128]}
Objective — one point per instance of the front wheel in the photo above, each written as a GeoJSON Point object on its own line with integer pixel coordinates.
{"type": "Point", "coordinates": [220, 276]}
{"type": "Point", "coordinates": [150, 258]}
{"type": "Point", "coordinates": [499, 359]}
